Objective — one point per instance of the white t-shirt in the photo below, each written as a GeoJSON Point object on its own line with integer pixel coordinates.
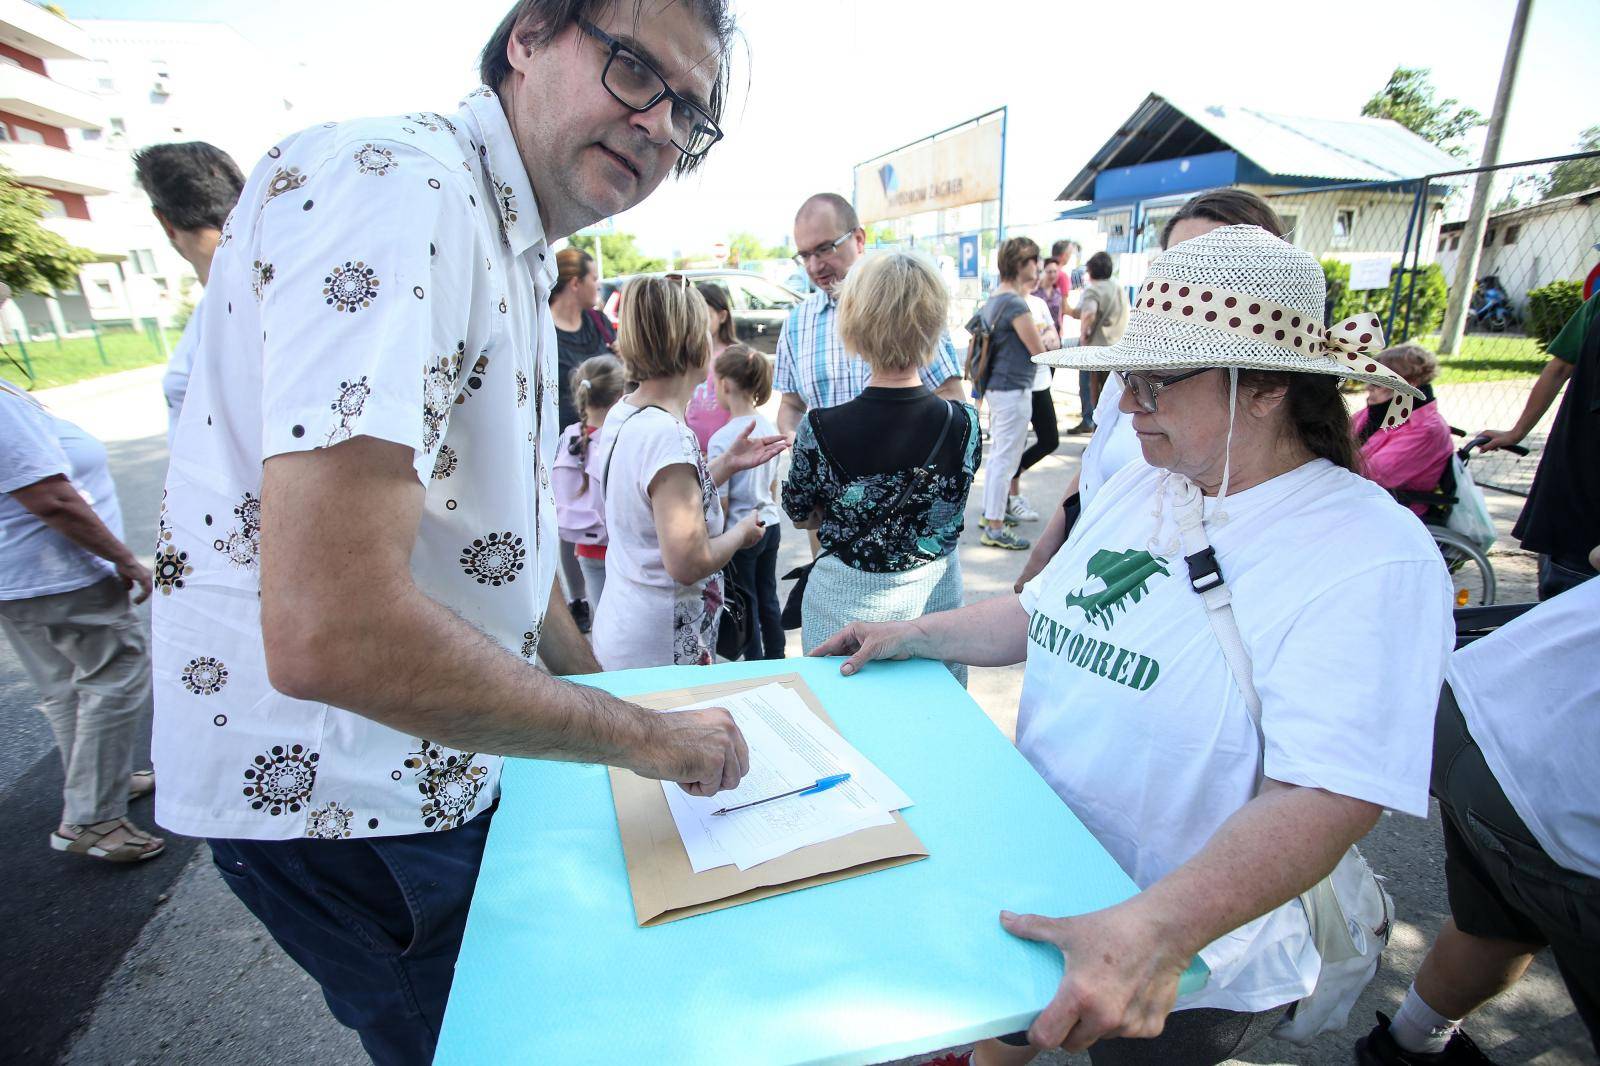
{"type": "Point", "coordinates": [1113, 445]}
{"type": "Point", "coordinates": [1132, 715]}
{"type": "Point", "coordinates": [748, 490]}
{"type": "Point", "coordinates": [1530, 694]}
{"type": "Point", "coordinates": [1041, 322]}
{"type": "Point", "coordinates": [35, 560]}
{"type": "Point", "coordinates": [646, 618]}
{"type": "Point", "coordinates": [175, 382]}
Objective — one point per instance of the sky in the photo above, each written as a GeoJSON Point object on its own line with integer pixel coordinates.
{"type": "Point", "coordinates": [825, 84]}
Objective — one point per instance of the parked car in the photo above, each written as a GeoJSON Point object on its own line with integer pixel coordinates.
{"type": "Point", "coordinates": [760, 307]}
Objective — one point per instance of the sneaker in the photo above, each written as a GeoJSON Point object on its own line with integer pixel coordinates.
{"type": "Point", "coordinates": [580, 614]}
{"type": "Point", "coordinates": [1378, 1048]}
{"type": "Point", "coordinates": [1080, 429]}
{"type": "Point", "coordinates": [1003, 538]}
{"type": "Point", "coordinates": [1019, 508]}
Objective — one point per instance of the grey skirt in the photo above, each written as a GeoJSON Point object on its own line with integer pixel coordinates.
{"type": "Point", "coordinates": [838, 594]}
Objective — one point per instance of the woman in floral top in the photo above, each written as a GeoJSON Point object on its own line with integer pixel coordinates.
{"type": "Point", "coordinates": [884, 478]}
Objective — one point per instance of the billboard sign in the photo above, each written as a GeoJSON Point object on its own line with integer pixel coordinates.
{"type": "Point", "coordinates": [951, 169]}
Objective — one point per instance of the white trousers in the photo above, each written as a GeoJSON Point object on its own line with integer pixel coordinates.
{"type": "Point", "coordinates": [1009, 411]}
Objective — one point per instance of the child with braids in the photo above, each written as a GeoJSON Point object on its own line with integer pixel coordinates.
{"type": "Point", "coordinates": [596, 385]}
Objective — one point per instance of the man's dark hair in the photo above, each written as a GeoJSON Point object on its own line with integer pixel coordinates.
{"type": "Point", "coordinates": [843, 213]}
{"type": "Point", "coordinates": [541, 21]}
{"type": "Point", "coordinates": [194, 184]}
{"type": "Point", "coordinates": [1098, 266]}
{"type": "Point", "coordinates": [1059, 248]}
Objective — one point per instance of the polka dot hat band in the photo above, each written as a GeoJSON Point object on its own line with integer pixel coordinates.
{"type": "Point", "coordinates": [1237, 296]}
{"type": "Point", "coordinates": [1356, 341]}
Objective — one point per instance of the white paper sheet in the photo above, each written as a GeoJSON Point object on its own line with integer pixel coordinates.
{"type": "Point", "coordinates": [789, 748]}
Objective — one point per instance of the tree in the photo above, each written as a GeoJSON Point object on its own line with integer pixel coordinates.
{"type": "Point", "coordinates": [743, 247]}
{"type": "Point", "coordinates": [621, 254]}
{"type": "Point", "coordinates": [1408, 100]}
{"type": "Point", "coordinates": [33, 259]}
{"type": "Point", "coordinates": [1575, 175]}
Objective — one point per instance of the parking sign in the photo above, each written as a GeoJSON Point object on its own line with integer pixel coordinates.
{"type": "Point", "coordinates": [969, 257]}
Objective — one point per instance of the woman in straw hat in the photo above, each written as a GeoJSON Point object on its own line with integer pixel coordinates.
{"type": "Point", "coordinates": [1129, 707]}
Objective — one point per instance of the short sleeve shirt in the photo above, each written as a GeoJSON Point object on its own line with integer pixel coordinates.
{"type": "Point", "coordinates": [813, 364]}
{"type": "Point", "coordinates": [386, 278]}
{"type": "Point", "coordinates": [35, 560]}
{"type": "Point", "coordinates": [1562, 515]}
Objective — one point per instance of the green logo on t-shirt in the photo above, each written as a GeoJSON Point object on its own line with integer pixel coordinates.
{"type": "Point", "coordinates": [1114, 581]}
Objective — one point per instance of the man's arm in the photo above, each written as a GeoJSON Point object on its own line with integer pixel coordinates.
{"type": "Point", "coordinates": [58, 505]}
{"type": "Point", "coordinates": [1545, 389]}
{"type": "Point", "coordinates": [952, 389]}
{"type": "Point", "coordinates": [790, 411]}
{"type": "Point", "coordinates": [564, 649]}
{"type": "Point", "coordinates": [343, 623]}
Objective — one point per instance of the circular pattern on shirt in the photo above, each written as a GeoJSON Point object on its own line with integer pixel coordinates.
{"type": "Point", "coordinates": [495, 559]}
{"type": "Point", "coordinates": [522, 388]}
{"type": "Point", "coordinates": [274, 152]}
{"type": "Point", "coordinates": [374, 159]}
{"type": "Point", "coordinates": [352, 397]}
{"type": "Point", "coordinates": [444, 464]}
{"type": "Point", "coordinates": [220, 720]}
{"type": "Point", "coordinates": [416, 290]}
{"type": "Point", "coordinates": [172, 566]}
{"type": "Point", "coordinates": [205, 676]}
{"type": "Point", "coordinates": [433, 183]}
{"type": "Point", "coordinates": [307, 205]}
{"type": "Point", "coordinates": [331, 822]}
{"type": "Point", "coordinates": [284, 179]}
{"type": "Point", "coordinates": [281, 779]}
{"type": "Point", "coordinates": [530, 641]}
{"type": "Point", "coordinates": [448, 782]}
{"type": "Point", "coordinates": [350, 287]}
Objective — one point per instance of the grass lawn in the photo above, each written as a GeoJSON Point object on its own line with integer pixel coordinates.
{"type": "Point", "coordinates": [78, 358]}
{"type": "Point", "coordinates": [1488, 357]}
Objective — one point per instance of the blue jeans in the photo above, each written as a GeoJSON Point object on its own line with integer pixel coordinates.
{"type": "Point", "coordinates": [376, 921]}
{"type": "Point", "coordinates": [1086, 395]}
{"type": "Point", "coordinates": [757, 571]}
{"type": "Point", "coordinates": [1558, 575]}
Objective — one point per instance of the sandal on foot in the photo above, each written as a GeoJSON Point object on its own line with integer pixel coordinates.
{"type": "Point", "coordinates": [135, 845]}
{"type": "Point", "coordinates": [141, 783]}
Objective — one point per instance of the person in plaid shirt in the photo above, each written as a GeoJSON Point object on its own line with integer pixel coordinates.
{"type": "Point", "coordinates": [814, 369]}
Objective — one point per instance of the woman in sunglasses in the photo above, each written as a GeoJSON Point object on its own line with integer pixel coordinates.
{"type": "Point", "coordinates": [1226, 757]}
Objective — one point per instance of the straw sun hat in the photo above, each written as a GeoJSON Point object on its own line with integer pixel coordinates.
{"type": "Point", "coordinates": [1240, 297]}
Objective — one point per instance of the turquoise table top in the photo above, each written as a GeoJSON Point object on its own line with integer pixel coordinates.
{"type": "Point", "coordinates": [893, 963]}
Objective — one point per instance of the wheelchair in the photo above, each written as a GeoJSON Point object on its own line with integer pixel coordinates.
{"type": "Point", "coordinates": [1471, 573]}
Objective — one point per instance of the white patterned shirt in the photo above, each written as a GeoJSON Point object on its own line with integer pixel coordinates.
{"type": "Point", "coordinates": [812, 361]}
{"type": "Point", "coordinates": [387, 278]}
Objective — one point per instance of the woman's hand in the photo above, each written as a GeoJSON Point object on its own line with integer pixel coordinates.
{"type": "Point", "coordinates": [749, 530]}
{"type": "Point", "coordinates": [745, 453]}
{"type": "Point", "coordinates": [865, 641]}
{"type": "Point", "coordinates": [1121, 976]}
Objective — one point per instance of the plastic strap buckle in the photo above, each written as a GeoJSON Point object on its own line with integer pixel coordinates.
{"type": "Point", "coordinates": [1204, 573]}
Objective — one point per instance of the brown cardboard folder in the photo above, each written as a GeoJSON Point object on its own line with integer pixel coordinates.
{"type": "Point", "coordinates": [666, 888]}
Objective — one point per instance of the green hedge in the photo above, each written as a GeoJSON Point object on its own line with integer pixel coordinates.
{"type": "Point", "coordinates": [1549, 308]}
{"type": "Point", "coordinates": [1427, 302]}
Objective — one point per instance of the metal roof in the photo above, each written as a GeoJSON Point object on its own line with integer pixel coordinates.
{"type": "Point", "coordinates": [1287, 146]}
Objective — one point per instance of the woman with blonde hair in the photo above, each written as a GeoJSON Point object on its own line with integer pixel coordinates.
{"type": "Point", "coordinates": [884, 478]}
{"type": "Point", "coordinates": [664, 521]}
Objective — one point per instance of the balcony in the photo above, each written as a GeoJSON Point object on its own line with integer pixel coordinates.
{"type": "Point", "coordinates": [98, 238]}
{"type": "Point", "coordinates": [36, 31]}
{"type": "Point", "coordinates": [33, 96]}
{"type": "Point", "coordinates": [57, 169]}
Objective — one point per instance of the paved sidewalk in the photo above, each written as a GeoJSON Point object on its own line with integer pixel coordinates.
{"type": "Point", "coordinates": [203, 984]}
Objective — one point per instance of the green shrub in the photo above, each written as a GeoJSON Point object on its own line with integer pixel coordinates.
{"type": "Point", "coordinates": [1427, 298]}
{"type": "Point", "coordinates": [1549, 308]}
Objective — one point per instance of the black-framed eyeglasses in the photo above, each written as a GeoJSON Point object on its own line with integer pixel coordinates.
{"type": "Point", "coordinates": [638, 86]}
{"type": "Point", "coordinates": [1145, 388]}
{"type": "Point", "coordinates": [821, 250]}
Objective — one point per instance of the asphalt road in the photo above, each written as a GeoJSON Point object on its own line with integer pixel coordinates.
{"type": "Point", "coordinates": [159, 964]}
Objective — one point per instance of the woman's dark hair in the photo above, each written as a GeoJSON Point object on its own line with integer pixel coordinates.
{"type": "Point", "coordinates": [1315, 410]}
{"type": "Point", "coordinates": [716, 298]}
{"type": "Point", "coordinates": [748, 369]}
{"type": "Point", "coordinates": [1228, 207]}
{"type": "Point", "coordinates": [1013, 254]}
{"type": "Point", "coordinates": [1098, 266]}
{"type": "Point", "coordinates": [538, 22]}
{"type": "Point", "coordinates": [193, 184]}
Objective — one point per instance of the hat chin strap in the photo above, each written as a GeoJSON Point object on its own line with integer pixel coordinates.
{"type": "Point", "coordinates": [1220, 517]}
{"type": "Point", "coordinates": [1189, 502]}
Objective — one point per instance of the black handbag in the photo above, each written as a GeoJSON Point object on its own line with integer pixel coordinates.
{"type": "Point", "coordinates": [802, 574]}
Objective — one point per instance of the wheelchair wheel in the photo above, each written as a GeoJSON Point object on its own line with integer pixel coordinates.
{"type": "Point", "coordinates": [1471, 574]}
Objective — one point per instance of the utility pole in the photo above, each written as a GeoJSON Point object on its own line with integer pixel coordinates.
{"type": "Point", "coordinates": [1455, 316]}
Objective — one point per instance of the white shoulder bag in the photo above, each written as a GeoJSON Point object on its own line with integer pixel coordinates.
{"type": "Point", "coordinates": [1349, 912]}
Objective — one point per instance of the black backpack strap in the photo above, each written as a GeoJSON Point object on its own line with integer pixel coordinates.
{"type": "Point", "coordinates": [925, 470]}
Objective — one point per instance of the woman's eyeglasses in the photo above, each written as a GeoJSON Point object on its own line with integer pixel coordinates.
{"type": "Point", "coordinates": [1145, 388]}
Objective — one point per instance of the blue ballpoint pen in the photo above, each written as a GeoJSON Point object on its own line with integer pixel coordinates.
{"type": "Point", "coordinates": [822, 785]}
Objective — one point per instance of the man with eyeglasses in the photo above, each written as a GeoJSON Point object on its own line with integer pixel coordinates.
{"type": "Point", "coordinates": [357, 549]}
{"type": "Point", "coordinates": [813, 367]}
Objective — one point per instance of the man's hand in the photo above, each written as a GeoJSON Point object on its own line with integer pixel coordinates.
{"type": "Point", "coordinates": [136, 578]}
{"type": "Point", "coordinates": [703, 751]}
{"type": "Point", "coordinates": [1120, 980]}
{"type": "Point", "coordinates": [1498, 438]}
{"type": "Point", "coordinates": [866, 641]}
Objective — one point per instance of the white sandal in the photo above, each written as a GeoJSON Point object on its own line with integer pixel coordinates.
{"type": "Point", "coordinates": [86, 841]}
